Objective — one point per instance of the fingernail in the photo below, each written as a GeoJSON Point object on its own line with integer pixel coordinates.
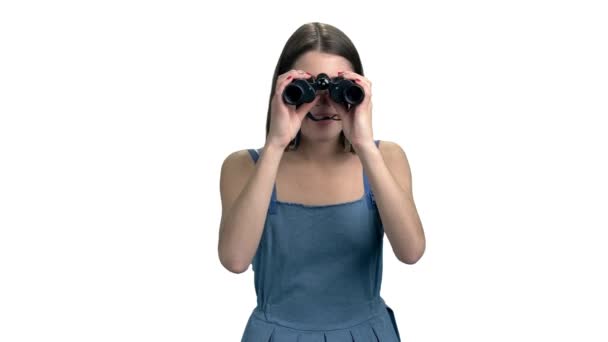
{"type": "Point", "coordinates": [357, 80]}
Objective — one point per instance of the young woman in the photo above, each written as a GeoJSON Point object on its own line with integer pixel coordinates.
{"type": "Point", "coordinates": [309, 210]}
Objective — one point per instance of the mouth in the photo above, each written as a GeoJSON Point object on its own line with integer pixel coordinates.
{"type": "Point", "coordinates": [323, 116]}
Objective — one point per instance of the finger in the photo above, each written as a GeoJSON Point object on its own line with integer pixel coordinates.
{"type": "Point", "coordinates": [305, 108]}
{"type": "Point", "coordinates": [353, 75]}
{"type": "Point", "coordinates": [356, 77]}
{"type": "Point", "coordinates": [338, 108]}
{"type": "Point", "coordinates": [292, 73]}
{"type": "Point", "coordinates": [288, 77]}
{"type": "Point", "coordinates": [362, 81]}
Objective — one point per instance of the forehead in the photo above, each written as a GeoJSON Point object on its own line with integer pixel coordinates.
{"type": "Point", "coordinates": [316, 62]}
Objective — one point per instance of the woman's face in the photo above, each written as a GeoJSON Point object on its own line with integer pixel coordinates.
{"type": "Point", "coordinates": [315, 63]}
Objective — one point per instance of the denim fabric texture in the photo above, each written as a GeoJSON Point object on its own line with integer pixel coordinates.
{"type": "Point", "coordinates": [318, 273]}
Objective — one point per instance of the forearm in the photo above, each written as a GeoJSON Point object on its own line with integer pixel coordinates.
{"type": "Point", "coordinates": [396, 206]}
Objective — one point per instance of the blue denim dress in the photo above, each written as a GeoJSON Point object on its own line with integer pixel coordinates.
{"type": "Point", "coordinates": [318, 273]}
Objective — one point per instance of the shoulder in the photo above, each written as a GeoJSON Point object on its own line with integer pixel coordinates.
{"type": "Point", "coordinates": [240, 161]}
{"type": "Point", "coordinates": [390, 149]}
{"type": "Point", "coordinates": [240, 157]}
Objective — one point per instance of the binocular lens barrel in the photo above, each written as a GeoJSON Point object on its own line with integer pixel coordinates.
{"type": "Point", "coordinates": [354, 94]}
{"type": "Point", "coordinates": [292, 94]}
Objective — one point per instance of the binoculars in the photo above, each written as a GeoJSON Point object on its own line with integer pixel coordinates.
{"type": "Point", "coordinates": [341, 90]}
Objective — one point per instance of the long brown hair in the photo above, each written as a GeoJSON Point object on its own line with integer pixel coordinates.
{"type": "Point", "coordinates": [314, 37]}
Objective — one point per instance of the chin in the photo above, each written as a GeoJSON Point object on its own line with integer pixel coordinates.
{"type": "Point", "coordinates": [311, 129]}
{"type": "Point", "coordinates": [322, 136]}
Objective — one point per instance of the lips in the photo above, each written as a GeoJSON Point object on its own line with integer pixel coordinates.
{"type": "Point", "coordinates": [322, 116]}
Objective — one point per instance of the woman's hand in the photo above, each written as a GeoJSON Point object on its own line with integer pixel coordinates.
{"type": "Point", "coordinates": [357, 121]}
{"type": "Point", "coordinates": [286, 120]}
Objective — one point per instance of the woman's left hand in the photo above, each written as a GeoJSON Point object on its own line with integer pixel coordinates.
{"type": "Point", "coordinates": [357, 121]}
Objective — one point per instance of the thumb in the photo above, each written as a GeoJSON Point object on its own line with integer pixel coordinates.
{"type": "Point", "coordinates": [339, 109]}
{"type": "Point", "coordinates": [305, 108]}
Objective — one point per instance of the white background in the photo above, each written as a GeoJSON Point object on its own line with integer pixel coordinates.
{"type": "Point", "coordinates": [117, 115]}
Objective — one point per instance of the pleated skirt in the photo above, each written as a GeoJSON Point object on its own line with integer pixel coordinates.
{"type": "Point", "coordinates": [381, 327]}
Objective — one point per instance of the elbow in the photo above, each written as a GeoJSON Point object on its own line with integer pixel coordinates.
{"type": "Point", "coordinates": [236, 268]}
{"type": "Point", "coordinates": [230, 261]}
{"type": "Point", "coordinates": [233, 265]}
{"type": "Point", "coordinates": [409, 260]}
{"type": "Point", "coordinates": [413, 256]}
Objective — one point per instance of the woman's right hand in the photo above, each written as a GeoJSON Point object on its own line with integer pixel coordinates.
{"type": "Point", "coordinates": [286, 120]}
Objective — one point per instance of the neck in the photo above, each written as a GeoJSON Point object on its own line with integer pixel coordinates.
{"type": "Point", "coordinates": [320, 151]}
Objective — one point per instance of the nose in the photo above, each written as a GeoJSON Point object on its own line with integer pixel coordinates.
{"type": "Point", "coordinates": [323, 96]}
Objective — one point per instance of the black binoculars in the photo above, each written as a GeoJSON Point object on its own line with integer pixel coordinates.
{"type": "Point", "coordinates": [341, 90]}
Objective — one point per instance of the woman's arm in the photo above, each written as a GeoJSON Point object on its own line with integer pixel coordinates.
{"type": "Point", "coordinates": [391, 182]}
{"type": "Point", "coordinates": [245, 190]}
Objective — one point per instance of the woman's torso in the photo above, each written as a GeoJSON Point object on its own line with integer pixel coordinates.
{"type": "Point", "coordinates": [318, 267]}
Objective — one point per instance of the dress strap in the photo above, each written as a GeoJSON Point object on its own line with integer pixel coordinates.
{"type": "Point", "coordinates": [254, 155]}
{"type": "Point", "coordinates": [272, 209]}
{"type": "Point", "coordinates": [369, 194]}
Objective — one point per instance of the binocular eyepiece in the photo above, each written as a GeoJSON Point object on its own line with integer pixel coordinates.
{"type": "Point", "coordinates": [341, 90]}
